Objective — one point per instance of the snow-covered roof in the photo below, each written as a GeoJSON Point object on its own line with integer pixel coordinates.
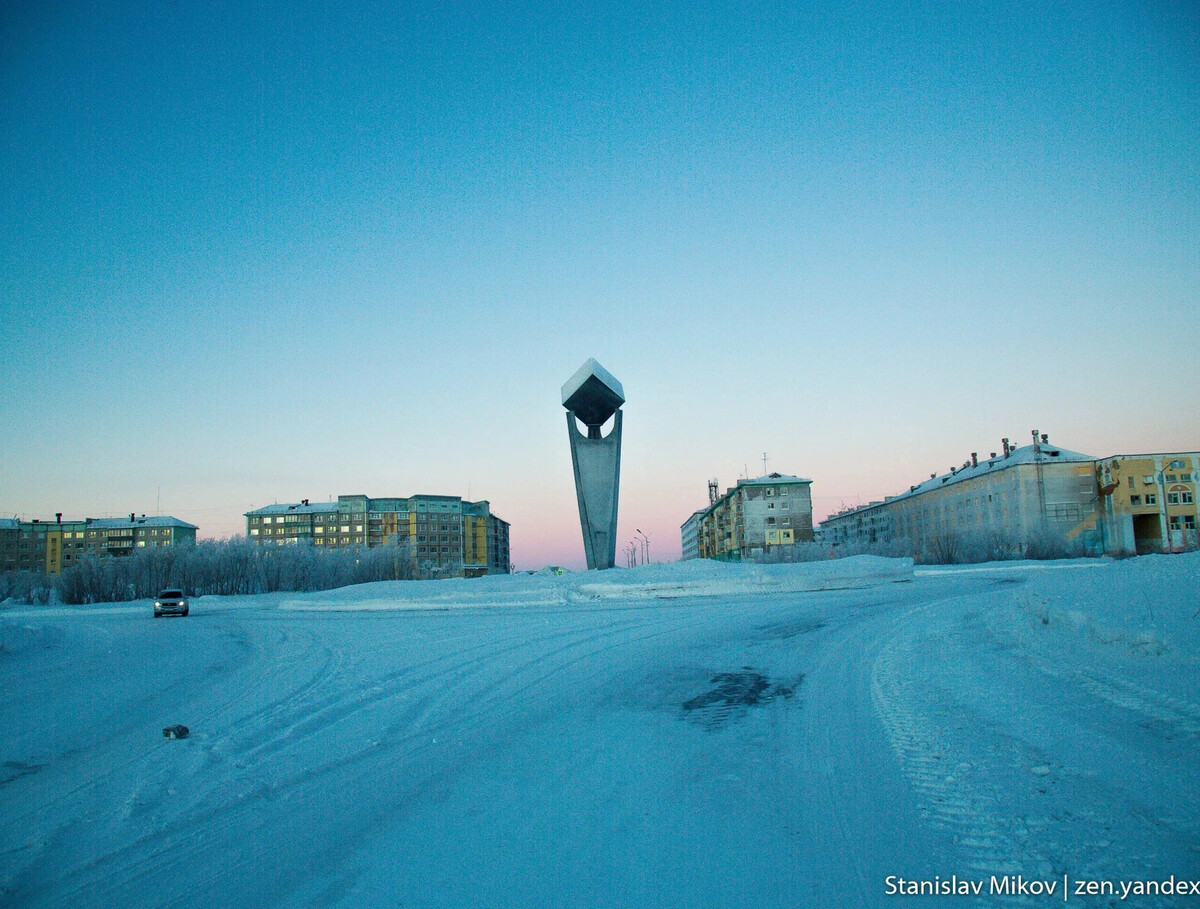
{"type": "Point", "coordinates": [117, 523]}
{"type": "Point", "coordinates": [773, 479]}
{"type": "Point", "coordinates": [297, 508]}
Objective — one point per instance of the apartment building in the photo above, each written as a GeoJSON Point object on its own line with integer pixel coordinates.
{"type": "Point", "coordinates": [443, 533]}
{"type": "Point", "coordinates": [1037, 492]}
{"type": "Point", "coordinates": [51, 546]}
{"type": "Point", "coordinates": [756, 516]}
{"type": "Point", "coordinates": [1040, 493]}
{"type": "Point", "coordinates": [689, 533]}
{"type": "Point", "coordinates": [1149, 502]}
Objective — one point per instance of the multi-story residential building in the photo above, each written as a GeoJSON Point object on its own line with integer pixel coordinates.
{"type": "Point", "coordinates": [755, 517]}
{"type": "Point", "coordinates": [441, 532]}
{"type": "Point", "coordinates": [1042, 494]}
{"type": "Point", "coordinates": [51, 546]}
{"type": "Point", "coordinates": [689, 533]}
{"type": "Point", "coordinates": [1149, 502]}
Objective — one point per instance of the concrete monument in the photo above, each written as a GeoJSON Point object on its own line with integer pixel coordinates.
{"type": "Point", "coordinates": [591, 396]}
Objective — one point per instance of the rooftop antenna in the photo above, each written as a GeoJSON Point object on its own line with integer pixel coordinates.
{"type": "Point", "coordinates": [713, 494]}
{"type": "Point", "coordinates": [764, 463]}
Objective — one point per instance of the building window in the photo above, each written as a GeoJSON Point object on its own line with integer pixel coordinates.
{"type": "Point", "coordinates": [1148, 480]}
{"type": "Point", "coordinates": [1170, 478]}
{"type": "Point", "coordinates": [1185, 498]}
{"type": "Point", "coordinates": [1172, 498]}
{"type": "Point", "coordinates": [1151, 498]}
{"type": "Point", "coordinates": [1177, 464]}
{"type": "Point", "coordinates": [1135, 501]}
{"type": "Point", "coordinates": [1189, 522]}
{"type": "Point", "coordinates": [1176, 522]}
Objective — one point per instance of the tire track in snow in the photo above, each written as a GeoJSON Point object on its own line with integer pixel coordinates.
{"type": "Point", "coordinates": [446, 677]}
{"type": "Point", "coordinates": [930, 762]}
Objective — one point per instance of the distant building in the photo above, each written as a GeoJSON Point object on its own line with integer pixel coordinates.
{"type": "Point", "coordinates": [690, 534]}
{"type": "Point", "coordinates": [441, 532]}
{"type": "Point", "coordinates": [1039, 494]}
{"type": "Point", "coordinates": [51, 546]}
{"type": "Point", "coordinates": [756, 517]}
{"type": "Point", "coordinates": [1149, 502]}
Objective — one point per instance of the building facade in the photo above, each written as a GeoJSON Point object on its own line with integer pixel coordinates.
{"type": "Point", "coordinates": [1037, 495]}
{"type": "Point", "coordinates": [1149, 502]}
{"type": "Point", "coordinates": [442, 533]}
{"type": "Point", "coordinates": [689, 533]}
{"type": "Point", "coordinates": [51, 546]}
{"type": "Point", "coordinates": [756, 517]}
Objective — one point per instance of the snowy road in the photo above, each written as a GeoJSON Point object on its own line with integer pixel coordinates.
{"type": "Point", "coordinates": [765, 750]}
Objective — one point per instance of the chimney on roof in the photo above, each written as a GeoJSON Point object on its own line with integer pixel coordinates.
{"type": "Point", "coordinates": [992, 456]}
{"type": "Point", "coordinates": [974, 459]}
{"type": "Point", "coordinates": [58, 516]}
{"type": "Point", "coordinates": [132, 515]}
{"type": "Point", "coordinates": [1045, 438]}
{"type": "Point", "coordinates": [933, 476]}
{"type": "Point", "coordinates": [1007, 448]}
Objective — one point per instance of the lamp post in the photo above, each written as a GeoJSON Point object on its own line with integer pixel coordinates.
{"type": "Point", "coordinates": [645, 547]}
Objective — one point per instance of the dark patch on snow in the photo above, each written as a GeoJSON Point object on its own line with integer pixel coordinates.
{"type": "Point", "coordinates": [14, 770]}
{"type": "Point", "coordinates": [177, 731]}
{"type": "Point", "coordinates": [732, 695]}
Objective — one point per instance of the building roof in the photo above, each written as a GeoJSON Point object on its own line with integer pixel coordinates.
{"type": "Point", "coordinates": [298, 508]}
{"type": "Point", "coordinates": [9, 524]}
{"type": "Point", "coordinates": [158, 521]}
{"type": "Point", "coordinates": [773, 479]}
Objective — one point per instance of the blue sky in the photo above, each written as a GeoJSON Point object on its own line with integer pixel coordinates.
{"type": "Point", "coordinates": [252, 253]}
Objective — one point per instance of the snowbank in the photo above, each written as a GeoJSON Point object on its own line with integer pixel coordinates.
{"type": "Point", "coordinates": [695, 578]}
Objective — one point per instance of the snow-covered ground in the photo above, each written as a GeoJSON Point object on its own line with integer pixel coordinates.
{"type": "Point", "coordinates": [686, 735]}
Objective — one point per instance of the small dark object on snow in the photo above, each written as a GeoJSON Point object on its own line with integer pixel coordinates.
{"type": "Point", "coordinates": [175, 732]}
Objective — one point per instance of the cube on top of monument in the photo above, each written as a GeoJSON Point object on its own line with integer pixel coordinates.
{"type": "Point", "coordinates": [592, 394]}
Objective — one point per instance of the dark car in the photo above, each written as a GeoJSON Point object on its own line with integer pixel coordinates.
{"type": "Point", "coordinates": [170, 601]}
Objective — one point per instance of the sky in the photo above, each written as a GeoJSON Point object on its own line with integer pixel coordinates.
{"type": "Point", "coordinates": [265, 252]}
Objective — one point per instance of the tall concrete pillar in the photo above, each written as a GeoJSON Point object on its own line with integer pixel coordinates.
{"type": "Point", "coordinates": [591, 396]}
